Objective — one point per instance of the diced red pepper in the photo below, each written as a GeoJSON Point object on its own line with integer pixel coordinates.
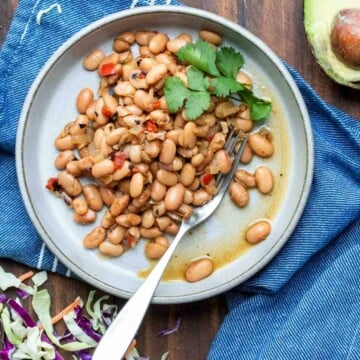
{"type": "Point", "coordinates": [141, 75]}
{"type": "Point", "coordinates": [206, 178]}
{"type": "Point", "coordinates": [52, 183]}
{"type": "Point", "coordinates": [209, 137]}
{"type": "Point", "coordinates": [107, 69]}
{"type": "Point", "coordinates": [106, 111]}
{"type": "Point", "coordinates": [118, 159]}
{"type": "Point", "coordinates": [151, 126]}
{"type": "Point", "coordinates": [156, 104]}
{"type": "Point", "coordinates": [131, 240]}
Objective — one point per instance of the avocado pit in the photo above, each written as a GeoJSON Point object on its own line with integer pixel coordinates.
{"type": "Point", "coordinates": [345, 36]}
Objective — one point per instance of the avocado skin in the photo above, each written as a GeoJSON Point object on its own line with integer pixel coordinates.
{"type": "Point", "coordinates": [318, 19]}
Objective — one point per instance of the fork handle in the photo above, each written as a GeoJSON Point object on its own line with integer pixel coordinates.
{"type": "Point", "coordinates": [122, 331]}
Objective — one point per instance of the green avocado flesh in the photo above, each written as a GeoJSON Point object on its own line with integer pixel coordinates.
{"type": "Point", "coordinates": [318, 19]}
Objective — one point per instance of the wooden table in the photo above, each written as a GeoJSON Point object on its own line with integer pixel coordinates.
{"type": "Point", "coordinates": [279, 23]}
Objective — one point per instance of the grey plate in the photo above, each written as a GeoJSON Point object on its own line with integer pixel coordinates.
{"type": "Point", "coordinates": [50, 104]}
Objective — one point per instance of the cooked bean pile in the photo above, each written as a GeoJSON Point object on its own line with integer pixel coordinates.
{"type": "Point", "coordinates": [147, 166]}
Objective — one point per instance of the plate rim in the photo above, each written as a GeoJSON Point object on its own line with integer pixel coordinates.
{"type": "Point", "coordinates": [266, 50]}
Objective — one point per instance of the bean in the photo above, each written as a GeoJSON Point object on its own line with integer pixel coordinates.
{"type": "Point", "coordinates": [244, 125]}
{"type": "Point", "coordinates": [244, 79]}
{"type": "Point", "coordinates": [188, 197]}
{"type": "Point", "coordinates": [150, 233]}
{"type": "Point", "coordinates": [148, 219]}
{"type": "Point", "coordinates": [93, 197]}
{"type": "Point", "coordinates": [124, 88]}
{"type": "Point", "coordinates": [84, 99]}
{"type": "Point", "coordinates": [109, 249]}
{"type": "Point", "coordinates": [245, 178]}
{"type": "Point", "coordinates": [87, 218]}
{"type": "Point", "coordinates": [258, 232]}
{"type": "Point", "coordinates": [80, 206]}
{"type": "Point", "coordinates": [167, 178]}
{"type": "Point", "coordinates": [238, 194]}
{"type": "Point", "coordinates": [103, 168]}
{"type": "Point", "coordinates": [119, 205]}
{"type": "Point", "coordinates": [135, 153]}
{"type": "Point", "coordinates": [199, 269]}
{"type": "Point", "coordinates": [174, 197]}
{"type": "Point", "coordinates": [264, 179]}
{"type": "Point", "coordinates": [147, 64]}
{"type": "Point", "coordinates": [168, 151]}
{"type": "Point", "coordinates": [134, 231]}
{"type": "Point", "coordinates": [69, 183]}
{"type": "Point", "coordinates": [154, 250]}
{"type": "Point", "coordinates": [176, 44]}
{"type": "Point", "coordinates": [143, 100]}
{"type": "Point", "coordinates": [159, 209]}
{"type": "Point", "coordinates": [157, 43]}
{"type": "Point", "coordinates": [124, 186]}
{"type": "Point", "coordinates": [142, 37]}
{"type": "Point", "coordinates": [173, 228]}
{"type": "Point", "coordinates": [194, 185]}
{"type": "Point", "coordinates": [63, 159]}
{"type": "Point", "coordinates": [136, 185]}
{"type": "Point", "coordinates": [64, 143]}
{"type": "Point", "coordinates": [156, 74]}
{"type": "Point", "coordinates": [221, 162]}
{"type": "Point", "coordinates": [94, 238]}
{"type": "Point", "coordinates": [225, 109]}
{"type": "Point", "coordinates": [107, 220]}
{"type": "Point", "coordinates": [200, 197]}
{"type": "Point", "coordinates": [187, 174]}
{"type": "Point", "coordinates": [141, 200]}
{"type": "Point", "coordinates": [152, 148]}
{"type": "Point", "coordinates": [247, 155]}
{"type": "Point", "coordinates": [261, 145]}
{"type": "Point", "coordinates": [138, 80]}
{"type": "Point", "coordinates": [129, 219]}
{"type": "Point", "coordinates": [189, 138]}
{"type": "Point", "coordinates": [210, 37]}
{"type": "Point", "coordinates": [72, 168]}
{"type": "Point", "coordinates": [128, 36]}
{"type": "Point", "coordinates": [115, 136]}
{"type": "Point", "coordinates": [107, 195]}
{"type": "Point", "coordinates": [120, 44]}
{"type": "Point", "coordinates": [116, 234]}
{"type": "Point", "coordinates": [163, 222]}
{"type": "Point", "coordinates": [110, 102]}
{"type": "Point", "coordinates": [197, 160]}
{"type": "Point", "coordinates": [93, 60]}
{"type": "Point", "coordinates": [123, 172]}
{"type": "Point", "coordinates": [185, 210]}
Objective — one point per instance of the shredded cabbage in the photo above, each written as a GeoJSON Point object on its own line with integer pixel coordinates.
{"type": "Point", "coordinates": [36, 339]}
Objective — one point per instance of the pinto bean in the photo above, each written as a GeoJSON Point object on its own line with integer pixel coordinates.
{"type": "Point", "coordinates": [155, 250]}
{"type": "Point", "coordinates": [116, 234]}
{"type": "Point", "coordinates": [94, 238]}
{"type": "Point", "coordinates": [87, 218]}
{"type": "Point", "coordinates": [80, 206]}
{"type": "Point", "coordinates": [150, 233]}
{"type": "Point", "coordinates": [247, 155]}
{"type": "Point", "coordinates": [63, 159]}
{"type": "Point", "coordinates": [136, 185]}
{"type": "Point", "coordinates": [189, 137]}
{"type": "Point", "coordinates": [238, 194]}
{"type": "Point", "coordinates": [167, 178]}
{"type": "Point", "coordinates": [157, 43]}
{"type": "Point", "coordinates": [103, 168]}
{"type": "Point", "coordinates": [64, 143]}
{"type": "Point", "coordinates": [119, 205]}
{"type": "Point", "coordinates": [107, 195]}
{"type": "Point", "coordinates": [261, 145]}
{"type": "Point", "coordinates": [69, 183]}
{"type": "Point", "coordinates": [148, 219]}
{"type": "Point", "coordinates": [156, 74]}
{"type": "Point", "coordinates": [199, 269]}
{"type": "Point", "coordinates": [245, 178]}
{"type": "Point", "coordinates": [129, 219]}
{"type": "Point", "coordinates": [264, 179]}
{"type": "Point", "coordinates": [200, 197]}
{"type": "Point", "coordinates": [258, 232]}
{"type": "Point", "coordinates": [93, 60]}
{"type": "Point", "coordinates": [187, 174]}
{"type": "Point", "coordinates": [109, 249]}
{"type": "Point", "coordinates": [174, 197]}
{"type": "Point", "coordinates": [93, 197]}
{"type": "Point", "coordinates": [211, 37]}
{"type": "Point", "coordinates": [84, 99]}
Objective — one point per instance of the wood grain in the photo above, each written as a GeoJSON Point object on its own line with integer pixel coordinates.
{"type": "Point", "coordinates": [279, 23]}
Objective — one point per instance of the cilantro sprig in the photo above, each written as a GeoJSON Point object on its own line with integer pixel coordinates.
{"type": "Point", "coordinates": [211, 73]}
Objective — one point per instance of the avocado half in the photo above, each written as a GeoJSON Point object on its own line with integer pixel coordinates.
{"type": "Point", "coordinates": [318, 19]}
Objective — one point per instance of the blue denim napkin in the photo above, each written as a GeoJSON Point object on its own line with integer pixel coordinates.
{"type": "Point", "coordinates": [316, 314]}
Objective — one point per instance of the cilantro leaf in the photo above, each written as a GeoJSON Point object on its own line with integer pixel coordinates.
{"type": "Point", "coordinates": [201, 55]}
{"type": "Point", "coordinates": [259, 109]}
{"type": "Point", "coordinates": [175, 93]}
{"type": "Point", "coordinates": [196, 79]}
{"type": "Point", "coordinates": [196, 104]}
{"type": "Point", "coordinates": [223, 86]}
{"type": "Point", "coordinates": [229, 61]}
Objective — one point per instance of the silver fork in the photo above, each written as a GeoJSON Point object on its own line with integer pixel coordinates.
{"type": "Point", "coordinates": [122, 331]}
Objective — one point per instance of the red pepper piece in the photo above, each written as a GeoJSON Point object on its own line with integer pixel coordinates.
{"type": "Point", "coordinates": [131, 240]}
{"type": "Point", "coordinates": [106, 111]}
{"type": "Point", "coordinates": [209, 137]}
{"type": "Point", "coordinates": [107, 69]}
{"type": "Point", "coordinates": [206, 178]}
{"type": "Point", "coordinates": [156, 104]}
{"type": "Point", "coordinates": [151, 126]}
{"type": "Point", "coordinates": [52, 183]}
{"type": "Point", "coordinates": [119, 160]}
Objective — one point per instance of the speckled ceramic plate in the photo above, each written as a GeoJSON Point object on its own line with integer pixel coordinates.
{"type": "Point", "coordinates": [50, 104]}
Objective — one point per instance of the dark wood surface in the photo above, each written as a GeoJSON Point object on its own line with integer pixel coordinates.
{"type": "Point", "coordinates": [279, 23]}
